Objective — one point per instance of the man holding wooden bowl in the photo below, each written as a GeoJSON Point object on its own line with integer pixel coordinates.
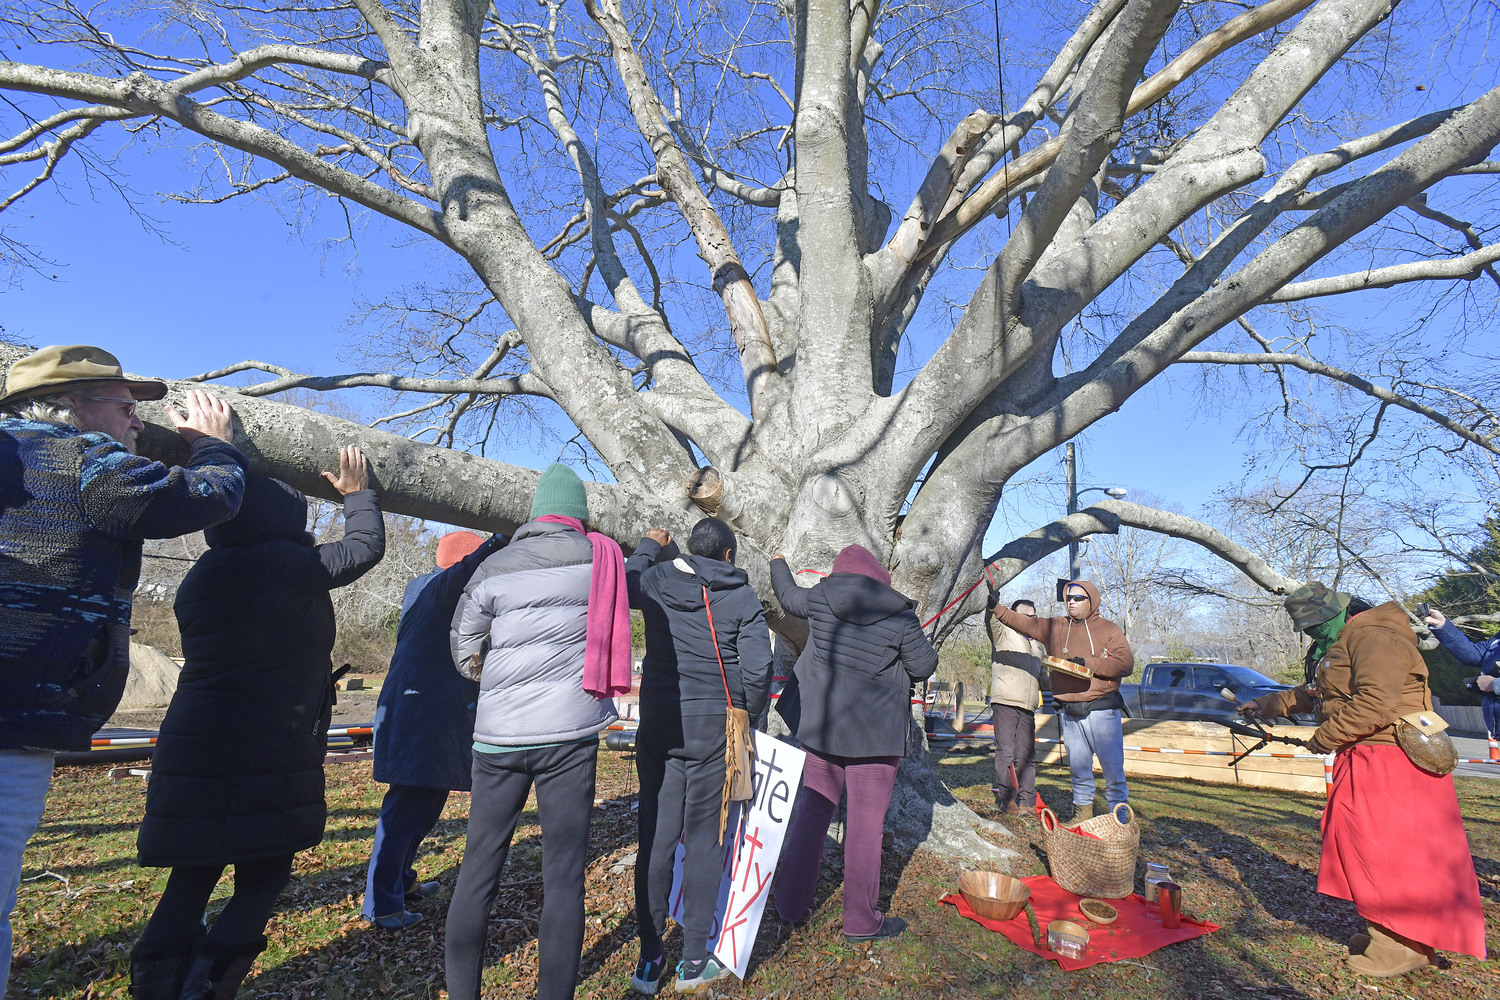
{"type": "Point", "coordinates": [1087, 658]}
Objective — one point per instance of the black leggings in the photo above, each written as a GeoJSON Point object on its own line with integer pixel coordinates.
{"type": "Point", "coordinates": [682, 781]}
{"type": "Point", "coordinates": [179, 914]}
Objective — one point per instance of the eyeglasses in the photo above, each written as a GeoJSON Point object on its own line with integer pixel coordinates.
{"type": "Point", "coordinates": [1070, 598]}
{"type": "Point", "coordinates": [129, 403]}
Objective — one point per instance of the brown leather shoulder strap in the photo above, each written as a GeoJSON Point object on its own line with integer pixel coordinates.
{"type": "Point", "coordinates": [717, 655]}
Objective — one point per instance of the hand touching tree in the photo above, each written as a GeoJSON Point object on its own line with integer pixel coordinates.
{"type": "Point", "coordinates": [354, 471]}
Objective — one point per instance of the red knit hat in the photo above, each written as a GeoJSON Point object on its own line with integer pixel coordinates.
{"type": "Point", "coordinates": [455, 545]}
{"type": "Point", "coordinates": [858, 559]}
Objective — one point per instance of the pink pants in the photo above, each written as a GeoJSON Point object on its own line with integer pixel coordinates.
{"type": "Point", "coordinates": [824, 778]}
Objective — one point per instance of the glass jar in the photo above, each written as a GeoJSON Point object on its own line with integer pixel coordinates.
{"type": "Point", "coordinates": [1067, 938]}
{"type": "Point", "coordinates": [1156, 874]}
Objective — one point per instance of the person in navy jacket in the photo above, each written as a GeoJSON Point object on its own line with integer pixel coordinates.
{"type": "Point", "coordinates": [424, 725]}
{"type": "Point", "coordinates": [1485, 656]}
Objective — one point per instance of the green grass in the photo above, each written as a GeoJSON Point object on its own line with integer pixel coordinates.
{"type": "Point", "coordinates": [1246, 857]}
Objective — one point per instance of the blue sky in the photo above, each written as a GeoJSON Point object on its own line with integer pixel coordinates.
{"type": "Point", "coordinates": [250, 279]}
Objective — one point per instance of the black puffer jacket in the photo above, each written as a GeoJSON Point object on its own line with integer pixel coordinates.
{"type": "Point", "coordinates": [865, 648]}
{"type": "Point", "coordinates": [680, 674]}
{"type": "Point", "coordinates": [237, 774]}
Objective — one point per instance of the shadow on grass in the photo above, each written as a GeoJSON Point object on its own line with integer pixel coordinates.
{"type": "Point", "coordinates": [355, 959]}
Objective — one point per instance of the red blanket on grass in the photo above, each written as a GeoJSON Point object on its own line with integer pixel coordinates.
{"type": "Point", "coordinates": [1138, 932]}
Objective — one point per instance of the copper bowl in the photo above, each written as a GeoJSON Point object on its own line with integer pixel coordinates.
{"type": "Point", "coordinates": [992, 895]}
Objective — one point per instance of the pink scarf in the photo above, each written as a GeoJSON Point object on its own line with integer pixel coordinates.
{"type": "Point", "coordinates": [606, 656]}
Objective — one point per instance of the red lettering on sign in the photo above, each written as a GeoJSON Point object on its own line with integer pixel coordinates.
{"type": "Point", "coordinates": [750, 858]}
{"type": "Point", "coordinates": [760, 887]}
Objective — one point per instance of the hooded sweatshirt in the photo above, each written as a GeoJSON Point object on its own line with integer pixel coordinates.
{"type": "Point", "coordinates": [1097, 641]}
{"type": "Point", "coordinates": [680, 673]}
{"type": "Point", "coordinates": [865, 649]}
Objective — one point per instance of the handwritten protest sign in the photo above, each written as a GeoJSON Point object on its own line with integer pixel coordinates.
{"type": "Point", "coordinates": [752, 845]}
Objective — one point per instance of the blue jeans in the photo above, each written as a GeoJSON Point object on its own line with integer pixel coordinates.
{"type": "Point", "coordinates": [1490, 707]}
{"type": "Point", "coordinates": [25, 776]}
{"type": "Point", "coordinates": [408, 814]}
{"type": "Point", "coordinates": [1097, 734]}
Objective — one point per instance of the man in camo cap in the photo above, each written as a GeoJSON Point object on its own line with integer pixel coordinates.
{"type": "Point", "coordinates": [1314, 604]}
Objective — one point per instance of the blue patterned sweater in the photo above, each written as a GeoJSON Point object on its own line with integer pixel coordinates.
{"type": "Point", "coordinates": [75, 507]}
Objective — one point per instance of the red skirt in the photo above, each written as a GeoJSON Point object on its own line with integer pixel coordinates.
{"type": "Point", "coordinates": [1394, 845]}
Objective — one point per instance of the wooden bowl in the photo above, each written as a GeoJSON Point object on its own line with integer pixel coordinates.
{"type": "Point", "coordinates": [1098, 911]}
{"type": "Point", "coordinates": [992, 895]}
{"type": "Point", "coordinates": [1068, 667]}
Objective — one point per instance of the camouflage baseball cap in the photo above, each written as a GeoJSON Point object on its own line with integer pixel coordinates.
{"type": "Point", "coordinates": [1312, 604]}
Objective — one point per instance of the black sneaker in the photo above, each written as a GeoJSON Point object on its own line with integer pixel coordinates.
{"type": "Point", "coordinates": [421, 890]}
{"type": "Point", "coordinates": [889, 928]}
{"type": "Point", "coordinates": [647, 976]}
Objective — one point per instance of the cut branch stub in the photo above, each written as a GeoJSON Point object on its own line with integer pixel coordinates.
{"type": "Point", "coordinates": [706, 489]}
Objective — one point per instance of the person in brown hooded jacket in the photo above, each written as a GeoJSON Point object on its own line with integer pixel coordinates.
{"type": "Point", "coordinates": [1090, 708]}
{"type": "Point", "coordinates": [1393, 838]}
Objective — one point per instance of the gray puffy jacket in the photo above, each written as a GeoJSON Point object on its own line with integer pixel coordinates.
{"type": "Point", "coordinates": [525, 611]}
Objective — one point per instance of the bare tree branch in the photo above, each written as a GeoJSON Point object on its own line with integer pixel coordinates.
{"type": "Point", "coordinates": [1467, 268]}
{"type": "Point", "coordinates": [730, 278]}
{"type": "Point", "coordinates": [524, 384]}
{"type": "Point", "coordinates": [1309, 365]}
{"type": "Point", "coordinates": [141, 94]}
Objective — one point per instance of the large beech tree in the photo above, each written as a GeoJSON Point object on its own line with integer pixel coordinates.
{"type": "Point", "coordinates": [915, 319]}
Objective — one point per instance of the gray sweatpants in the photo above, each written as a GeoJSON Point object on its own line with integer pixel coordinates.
{"type": "Point", "coordinates": [564, 779]}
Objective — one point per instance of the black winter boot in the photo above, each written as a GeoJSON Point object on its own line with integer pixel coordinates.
{"type": "Point", "coordinates": [158, 973]}
{"type": "Point", "coordinates": [218, 969]}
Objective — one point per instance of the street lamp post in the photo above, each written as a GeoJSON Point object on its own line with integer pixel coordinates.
{"type": "Point", "coordinates": [1070, 465]}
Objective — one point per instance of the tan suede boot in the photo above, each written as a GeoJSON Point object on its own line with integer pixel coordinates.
{"type": "Point", "coordinates": [1388, 955]}
{"type": "Point", "coordinates": [1081, 813]}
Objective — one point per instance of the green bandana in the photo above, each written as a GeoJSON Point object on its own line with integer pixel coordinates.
{"type": "Point", "coordinates": [1324, 634]}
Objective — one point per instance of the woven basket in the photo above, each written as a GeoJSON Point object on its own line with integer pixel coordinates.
{"type": "Point", "coordinates": [1103, 868]}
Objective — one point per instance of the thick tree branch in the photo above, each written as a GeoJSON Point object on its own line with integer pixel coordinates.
{"type": "Point", "coordinates": [1222, 156]}
{"type": "Point", "coordinates": [1163, 522]}
{"type": "Point", "coordinates": [1012, 428]}
{"type": "Point", "coordinates": [1142, 352]}
{"type": "Point", "coordinates": [1108, 517]}
{"type": "Point", "coordinates": [963, 161]}
{"type": "Point", "coordinates": [730, 279]}
{"type": "Point", "coordinates": [992, 192]}
{"type": "Point", "coordinates": [833, 370]}
{"type": "Point", "coordinates": [1093, 130]}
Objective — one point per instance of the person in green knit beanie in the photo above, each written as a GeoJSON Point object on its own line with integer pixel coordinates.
{"type": "Point", "coordinates": [544, 627]}
{"type": "Point", "coordinates": [560, 492]}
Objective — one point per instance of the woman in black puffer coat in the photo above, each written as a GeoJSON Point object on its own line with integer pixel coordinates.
{"type": "Point", "coordinates": [865, 649]}
{"type": "Point", "coordinates": [237, 774]}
